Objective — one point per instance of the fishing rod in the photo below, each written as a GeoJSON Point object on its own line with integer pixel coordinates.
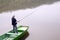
{"type": "Point", "coordinates": [27, 15]}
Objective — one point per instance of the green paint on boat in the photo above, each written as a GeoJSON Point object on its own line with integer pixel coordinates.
{"type": "Point", "coordinates": [14, 36]}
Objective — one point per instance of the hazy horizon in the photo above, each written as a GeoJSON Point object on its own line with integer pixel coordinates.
{"type": "Point", "coordinates": [44, 23]}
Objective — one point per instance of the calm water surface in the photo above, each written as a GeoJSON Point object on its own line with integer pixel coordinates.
{"type": "Point", "coordinates": [44, 23]}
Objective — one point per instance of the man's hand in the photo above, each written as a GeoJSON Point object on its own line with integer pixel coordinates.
{"type": "Point", "coordinates": [18, 21]}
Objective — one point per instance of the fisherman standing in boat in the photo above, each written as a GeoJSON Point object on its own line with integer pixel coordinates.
{"type": "Point", "coordinates": [14, 23]}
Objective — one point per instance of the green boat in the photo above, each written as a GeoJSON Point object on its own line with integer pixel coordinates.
{"type": "Point", "coordinates": [15, 36]}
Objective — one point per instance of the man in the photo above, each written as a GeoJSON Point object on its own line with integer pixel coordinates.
{"type": "Point", "coordinates": [14, 23]}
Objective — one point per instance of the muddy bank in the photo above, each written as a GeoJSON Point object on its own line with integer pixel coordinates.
{"type": "Point", "coordinates": [10, 5]}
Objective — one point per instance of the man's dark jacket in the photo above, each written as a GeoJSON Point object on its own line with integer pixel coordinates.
{"type": "Point", "coordinates": [14, 21]}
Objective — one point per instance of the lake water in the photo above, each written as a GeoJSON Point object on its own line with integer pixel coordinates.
{"type": "Point", "coordinates": [43, 21]}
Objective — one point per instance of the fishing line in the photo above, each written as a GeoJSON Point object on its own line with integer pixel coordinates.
{"type": "Point", "coordinates": [28, 15]}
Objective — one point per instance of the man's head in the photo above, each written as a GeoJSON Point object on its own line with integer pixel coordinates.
{"type": "Point", "coordinates": [13, 16]}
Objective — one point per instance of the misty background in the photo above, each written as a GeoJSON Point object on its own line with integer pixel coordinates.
{"type": "Point", "coordinates": [43, 19]}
